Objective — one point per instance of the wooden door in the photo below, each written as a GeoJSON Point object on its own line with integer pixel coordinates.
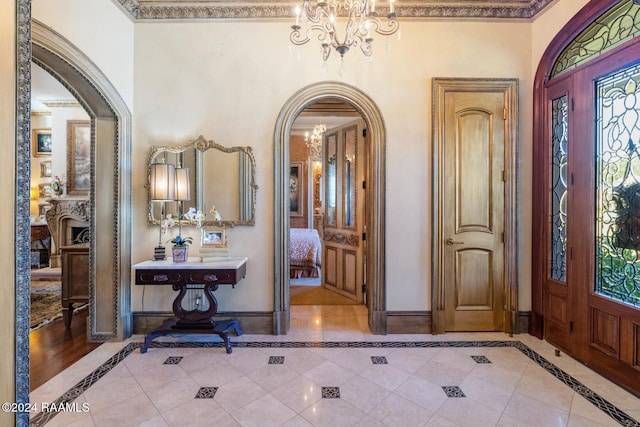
{"type": "Point", "coordinates": [473, 210]}
{"type": "Point", "coordinates": [343, 244]}
{"type": "Point", "coordinates": [557, 298]}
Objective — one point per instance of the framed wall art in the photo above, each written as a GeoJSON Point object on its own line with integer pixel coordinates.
{"type": "Point", "coordinates": [78, 157]}
{"type": "Point", "coordinates": [45, 169]}
{"type": "Point", "coordinates": [296, 204]}
{"type": "Point", "coordinates": [42, 144]}
{"type": "Point", "coordinates": [45, 190]}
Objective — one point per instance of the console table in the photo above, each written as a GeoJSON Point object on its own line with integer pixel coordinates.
{"type": "Point", "coordinates": [179, 276]}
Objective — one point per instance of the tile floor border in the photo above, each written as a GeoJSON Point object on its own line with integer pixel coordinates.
{"type": "Point", "coordinates": [594, 398]}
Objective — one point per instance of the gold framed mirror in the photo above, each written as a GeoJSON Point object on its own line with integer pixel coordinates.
{"type": "Point", "coordinates": [223, 179]}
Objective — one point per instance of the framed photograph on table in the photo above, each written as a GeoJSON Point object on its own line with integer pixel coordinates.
{"type": "Point", "coordinates": [45, 169]}
{"type": "Point", "coordinates": [78, 157]}
{"type": "Point", "coordinates": [213, 238]}
{"type": "Point", "coordinates": [42, 144]}
{"type": "Point", "coordinates": [296, 185]}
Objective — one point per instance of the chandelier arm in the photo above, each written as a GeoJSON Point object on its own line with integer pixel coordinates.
{"type": "Point", "coordinates": [388, 28]}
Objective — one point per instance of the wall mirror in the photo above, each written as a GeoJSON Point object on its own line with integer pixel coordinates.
{"type": "Point", "coordinates": [221, 177]}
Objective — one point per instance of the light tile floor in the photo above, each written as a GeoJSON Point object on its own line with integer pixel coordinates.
{"type": "Point", "coordinates": [331, 371]}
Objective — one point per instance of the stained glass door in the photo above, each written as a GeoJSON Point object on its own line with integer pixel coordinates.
{"type": "Point", "coordinates": [586, 268]}
{"type": "Point", "coordinates": [618, 187]}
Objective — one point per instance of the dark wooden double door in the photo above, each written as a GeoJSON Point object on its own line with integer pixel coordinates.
{"type": "Point", "coordinates": [578, 239]}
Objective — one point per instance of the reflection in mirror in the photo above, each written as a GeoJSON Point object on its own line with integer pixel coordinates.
{"type": "Point", "coordinates": [223, 180]}
{"type": "Point", "coordinates": [350, 169]}
{"type": "Point", "coordinates": [331, 189]}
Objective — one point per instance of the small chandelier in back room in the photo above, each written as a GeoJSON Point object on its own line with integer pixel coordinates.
{"type": "Point", "coordinates": [314, 141]}
{"type": "Point", "coordinates": [362, 21]}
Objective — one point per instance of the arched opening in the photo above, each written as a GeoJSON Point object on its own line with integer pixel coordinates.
{"type": "Point", "coordinates": [375, 212]}
{"type": "Point", "coordinates": [584, 281]}
{"type": "Point", "coordinates": [110, 205]}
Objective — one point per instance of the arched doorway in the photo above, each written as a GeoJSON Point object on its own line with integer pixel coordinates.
{"type": "Point", "coordinates": [109, 315]}
{"type": "Point", "coordinates": [375, 212]}
{"type": "Point", "coordinates": [585, 284]}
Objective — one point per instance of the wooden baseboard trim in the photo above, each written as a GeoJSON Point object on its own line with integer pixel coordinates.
{"type": "Point", "coordinates": [409, 322]}
{"type": "Point", "coordinates": [251, 322]}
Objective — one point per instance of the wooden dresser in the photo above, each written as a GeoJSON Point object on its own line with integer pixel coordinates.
{"type": "Point", "coordinates": [75, 279]}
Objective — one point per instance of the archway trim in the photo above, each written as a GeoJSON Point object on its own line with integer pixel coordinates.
{"type": "Point", "coordinates": [375, 210]}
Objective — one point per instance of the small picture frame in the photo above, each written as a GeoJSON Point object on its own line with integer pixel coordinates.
{"type": "Point", "coordinates": [42, 143]}
{"type": "Point", "coordinates": [45, 169]}
{"type": "Point", "coordinates": [295, 189]}
{"type": "Point", "coordinates": [45, 190]}
{"type": "Point", "coordinates": [213, 238]}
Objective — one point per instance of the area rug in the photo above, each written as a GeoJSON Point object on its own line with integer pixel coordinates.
{"type": "Point", "coordinates": [46, 304]}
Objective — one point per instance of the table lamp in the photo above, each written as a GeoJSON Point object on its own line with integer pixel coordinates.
{"type": "Point", "coordinates": [162, 186]}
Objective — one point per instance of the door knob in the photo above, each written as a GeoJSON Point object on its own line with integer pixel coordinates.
{"type": "Point", "coordinates": [450, 242]}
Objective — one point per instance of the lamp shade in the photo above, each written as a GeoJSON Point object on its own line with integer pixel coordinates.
{"type": "Point", "coordinates": [162, 182]}
{"type": "Point", "coordinates": [183, 184]}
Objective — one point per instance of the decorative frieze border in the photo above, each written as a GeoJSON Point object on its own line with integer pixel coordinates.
{"type": "Point", "coordinates": [509, 9]}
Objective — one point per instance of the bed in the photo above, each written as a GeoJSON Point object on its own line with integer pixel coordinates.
{"type": "Point", "coordinates": [305, 251]}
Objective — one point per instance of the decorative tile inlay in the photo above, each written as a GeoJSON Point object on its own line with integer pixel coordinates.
{"type": "Point", "coordinates": [481, 359]}
{"type": "Point", "coordinates": [453, 391]}
{"type": "Point", "coordinates": [206, 392]}
{"type": "Point", "coordinates": [276, 360]}
{"type": "Point", "coordinates": [334, 392]}
{"type": "Point", "coordinates": [379, 360]}
{"type": "Point", "coordinates": [331, 392]}
{"type": "Point", "coordinates": [173, 360]}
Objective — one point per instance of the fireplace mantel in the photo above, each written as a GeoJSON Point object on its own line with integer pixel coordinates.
{"type": "Point", "coordinates": [66, 213]}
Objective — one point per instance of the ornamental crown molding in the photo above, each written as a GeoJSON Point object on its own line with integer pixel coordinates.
{"type": "Point", "coordinates": [270, 9]}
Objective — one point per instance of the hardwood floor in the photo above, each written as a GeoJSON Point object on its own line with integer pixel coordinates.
{"type": "Point", "coordinates": [54, 348]}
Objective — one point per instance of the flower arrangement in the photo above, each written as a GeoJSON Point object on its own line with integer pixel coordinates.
{"type": "Point", "coordinates": [57, 184]}
{"type": "Point", "coordinates": [215, 213]}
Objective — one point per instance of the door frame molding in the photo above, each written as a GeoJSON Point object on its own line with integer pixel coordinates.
{"type": "Point", "coordinates": [375, 209]}
{"type": "Point", "coordinates": [511, 258]}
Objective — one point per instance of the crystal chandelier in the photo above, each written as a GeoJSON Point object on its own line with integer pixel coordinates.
{"type": "Point", "coordinates": [314, 141]}
{"type": "Point", "coordinates": [320, 16]}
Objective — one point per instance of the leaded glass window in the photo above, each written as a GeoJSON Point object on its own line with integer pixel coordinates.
{"type": "Point", "coordinates": [559, 129]}
{"type": "Point", "coordinates": [618, 186]}
{"type": "Point", "coordinates": [617, 25]}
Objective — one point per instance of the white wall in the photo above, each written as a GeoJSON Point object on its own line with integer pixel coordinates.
{"type": "Point", "coordinates": [99, 29]}
{"type": "Point", "coordinates": [210, 78]}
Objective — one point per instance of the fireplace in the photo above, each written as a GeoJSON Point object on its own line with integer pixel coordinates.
{"type": "Point", "coordinates": [68, 221]}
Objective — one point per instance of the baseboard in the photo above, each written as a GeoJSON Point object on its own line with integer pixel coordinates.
{"type": "Point", "coordinates": [253, 322]}
{"type": "Point", "coordinates": [397, 322]}
{"type": "Point", "coordinates": [419, 322]}
{"type": "Point", "coordinates": [523, 318]}
{"type": "Point", "coordinates": [408, 322]}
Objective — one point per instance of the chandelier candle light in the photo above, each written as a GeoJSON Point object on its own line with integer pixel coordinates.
{"type": "Point", "coordinates": [362, 21]}
{"type": "Point", "coordinates": [314, 142]}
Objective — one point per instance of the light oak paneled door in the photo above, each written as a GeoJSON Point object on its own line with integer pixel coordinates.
{"type": "Point", "coordinates": [344, 204]}
{"type": "Point", "coordinates": [474, 206]}
{"type": "Point", "coordinates": [473, 142]}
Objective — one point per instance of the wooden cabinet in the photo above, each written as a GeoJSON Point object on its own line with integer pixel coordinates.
{"type": "Point", "coordinates": [75, 279]}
